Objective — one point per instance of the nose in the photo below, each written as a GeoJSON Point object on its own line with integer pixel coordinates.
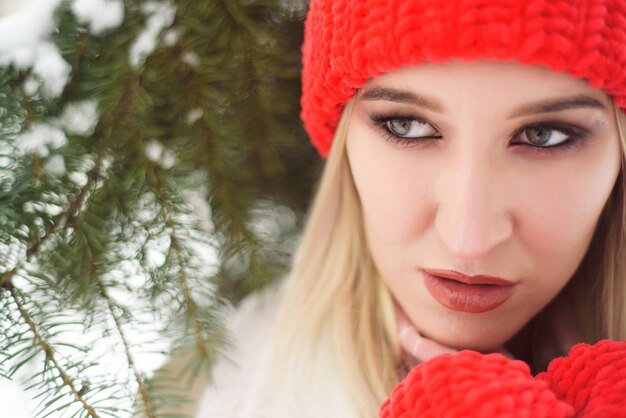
{"type": "Point", "coordinates": [472, 214]}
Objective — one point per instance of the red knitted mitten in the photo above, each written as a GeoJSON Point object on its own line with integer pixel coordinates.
{"type": "Point", "coordinates": [589, 382]}
{"type": "Point", "coordinates": [592, 378]}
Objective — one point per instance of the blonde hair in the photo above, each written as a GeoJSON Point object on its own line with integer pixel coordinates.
{"type": "Point", "coordinates": [335, 292]}
{"type": "Point", "coordinates": [602, 303]}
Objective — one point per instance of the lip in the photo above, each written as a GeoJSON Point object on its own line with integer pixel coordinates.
{"type": "Point", "coordinates": [464, 278]}
{"type": "Point", "coordinates": [460, 292]}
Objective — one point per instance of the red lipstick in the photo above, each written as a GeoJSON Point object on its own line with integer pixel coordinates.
{"type": "Point", "coordinates": [460, 292]}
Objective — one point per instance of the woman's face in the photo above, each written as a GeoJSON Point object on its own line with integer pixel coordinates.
{"type": "Point", "coordinates": [481, 185]}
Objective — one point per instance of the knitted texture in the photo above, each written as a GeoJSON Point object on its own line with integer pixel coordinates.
{"type": "Point", "coordinates": [589, 382]}
{"type": "Point", "coordinates": [592, 379]}
{"type": "Point", "coordinates": [347, 42]}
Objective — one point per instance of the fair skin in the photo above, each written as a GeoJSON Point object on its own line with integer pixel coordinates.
{"type": "Point", "coordinates": [487, 194]}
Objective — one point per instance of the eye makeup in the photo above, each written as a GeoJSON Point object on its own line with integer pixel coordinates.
{"type": "Point", "coordinates": [382, 122]}
{"type": "Point", "coordinates": [575, 134]}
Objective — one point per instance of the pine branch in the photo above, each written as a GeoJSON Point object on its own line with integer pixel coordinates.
{"type": "Point", "coordinates": [190, 304]}
{"type": "Point", "coordinates": [233, 63]}
{"type": "Point", "coordinates": [62, 220]}
{"type": "Point", "coordinates": [80, 47]}
{"type": "Point", "coordinates": [5, 279]}
{"type": "Point", "coordinates": [67, 217]}
{"type": "Point", "coordinates": [175, 246]}
{"type": "Point", "coordinates": [149, 409]}
{"type": "Point", "coordinates": [49, 352]}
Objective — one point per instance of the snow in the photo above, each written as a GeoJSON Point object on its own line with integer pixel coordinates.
{"type": "Point", "coordinates": [80, 118]}
{"type": "Point", "coordinates": [23, 43]}
{"type": "Point", "coordinates": [194, 115]}
{"type": "Point", "coordinates": [14, 400]}
{"type": "Point", "coordinates": [30, 86]}
{"type": "Point", "coordinates": [51, 69]}
{"type": "Point", "coordinates": [160, 155]}
{"type": "Point", "coordinates": [39, 138]}
{"type": "Point", "coordinates": [201, 207]}
{"type": "Point", "coordinates": [170, 37]}
{"type": "Point", "coordinates": [27, 26]}
{"type": "Point", "coordinates": [154, 150]}
{"type": "Point", "coordinates": [78, 178]}
{"type": "Point", "coordinates": [55, 166]}
{"type": "Point", "coordinates": [191, 58]}
{"type": "Point", "coordinates": [7, 177]}
{"type": "Point", "coordinates": [160, 16]}
{"type": "Point", "coordinates": [101, 16]}
{"type": "Point", "coordinates": [156, 253]}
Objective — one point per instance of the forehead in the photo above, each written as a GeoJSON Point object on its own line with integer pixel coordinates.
{"type": "Point", "coordinates": [485, 83]}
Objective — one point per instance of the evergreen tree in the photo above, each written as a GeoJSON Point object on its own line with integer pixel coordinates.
{"type": "Point", "coordinates": [153, 170]}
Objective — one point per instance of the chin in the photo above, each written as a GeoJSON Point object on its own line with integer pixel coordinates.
{"type": "Point", "coordinates": [463, 336]}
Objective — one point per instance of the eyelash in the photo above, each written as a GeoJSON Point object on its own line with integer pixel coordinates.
{"type": "Point", "coordinates": [574, 133]}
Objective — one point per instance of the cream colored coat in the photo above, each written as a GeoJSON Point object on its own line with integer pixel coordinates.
{"type": "Point", "coordinates": [244, 386]}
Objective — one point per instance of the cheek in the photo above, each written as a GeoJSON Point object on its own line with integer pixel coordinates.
{"type": "Point", "coordinates": [557, 209]}
{"type": "Point", "coordinates": [395, 191]}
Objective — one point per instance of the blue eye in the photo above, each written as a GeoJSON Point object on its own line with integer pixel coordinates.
{"type": "Point", "coordinates": [549, 135]}
{"type": "Point", "coordinates": [405, 130]}
{"type": "Point", "coordinates": [409, 128]}
{"type": "Point", "coordinates": [541, 136]}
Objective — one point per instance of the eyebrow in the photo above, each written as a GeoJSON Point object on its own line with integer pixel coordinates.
{"type": "Point", "coordinates": [558, 105]}
{"type": "Point", "coordinates": [402, 96]}
{"type": "Point", "coordinates": [429, 103]}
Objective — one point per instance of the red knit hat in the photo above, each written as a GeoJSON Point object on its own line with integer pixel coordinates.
{"type": "Point", "coordinates": [348, 42]}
